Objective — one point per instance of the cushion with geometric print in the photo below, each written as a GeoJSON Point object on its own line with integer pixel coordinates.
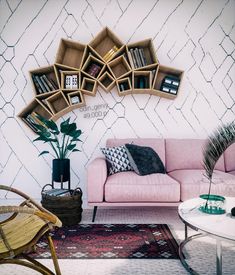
{"type": "Point", "coordinates": [117, 159]}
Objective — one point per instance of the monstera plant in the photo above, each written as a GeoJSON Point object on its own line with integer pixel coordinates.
{"type": "Point", "coordinates": [215, 146]}
{"type": "Point", "coordinates": [62, 141]}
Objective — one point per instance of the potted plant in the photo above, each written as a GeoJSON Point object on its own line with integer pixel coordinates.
{"type": "Point", "coordinates": [215, 146]}
{"type": "Point", "coordinates": [63, 141]}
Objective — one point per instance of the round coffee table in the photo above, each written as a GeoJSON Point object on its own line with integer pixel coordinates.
{"type": "Point", "coordinates": [219, 227]}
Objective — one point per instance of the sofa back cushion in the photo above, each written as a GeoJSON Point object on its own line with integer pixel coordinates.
{"type": "Point", "coordinates": [187, 154]}
{"type": "Point", "coordinates": [229, 158]}
{"type": "Point", "coordinates": [157, 144]}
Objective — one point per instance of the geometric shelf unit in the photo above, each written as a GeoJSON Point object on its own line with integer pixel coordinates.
{"type": "Point", "coordinates": [106, 62]}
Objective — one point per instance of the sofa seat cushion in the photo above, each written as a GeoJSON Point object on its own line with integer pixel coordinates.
{"type": "Point", "coordinates": [130, 187]}
{"type": "Point", "coordinates": [194, 183]}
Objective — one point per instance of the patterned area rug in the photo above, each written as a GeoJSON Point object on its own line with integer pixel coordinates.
{"type": "Point", "coordinates": [111, 241]}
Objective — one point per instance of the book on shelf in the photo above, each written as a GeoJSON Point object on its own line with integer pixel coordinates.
{"type": "Point", "coordinates": [94, 69]}
{"type": "Point", "coordinates": [49, 83]}
{"type": "Point", "coordinates": [68, 82]}
{"type": "Point", "coordinates": [71, 81]}
{"type": "Point", "coordinates": [39, 90]}
{"type": "Point", "coordinates": [45, 83]}
{"type": "Point", "coordinates": [170, 84]}
{"type": "Point", "coordinates": [137, 57]}
{"type": "Point", "coordinates": [110, 53]}
{"type": "Point", "coordinates": [36, 119]}
{"type": "Point", "coordinates": [74, 81]}
{"type": "Point", "coordinates": [40, 83]}
{"type": "Point", "coordinates": [141, 82]}
{"type": "Point", "coordinates": [130, 59]}
{"type": "Point", "coordinates": [133, 58]}
{"type": "Point", "coordinates": [123, 86]}
{"type": "Point", "coordinates": [29, 123]}
{"type": "Point", "coordinates": [142, 56]}
{"type": "Point", "coordinates": [75, 99]}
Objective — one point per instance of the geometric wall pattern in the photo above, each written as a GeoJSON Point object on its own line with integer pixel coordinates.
{"type": "Point", "coordinates": [195, 36]}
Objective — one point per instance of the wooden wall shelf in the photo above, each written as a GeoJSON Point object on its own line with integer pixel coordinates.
{"type": "Point", "coordinates": [105, 61]}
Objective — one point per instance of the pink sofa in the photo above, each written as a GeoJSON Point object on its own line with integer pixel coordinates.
{"type": "Point", "coordinates": [184, 178]}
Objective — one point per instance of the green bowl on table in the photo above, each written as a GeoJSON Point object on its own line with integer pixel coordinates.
{"type": "Point", "coordinates": [213, 204]}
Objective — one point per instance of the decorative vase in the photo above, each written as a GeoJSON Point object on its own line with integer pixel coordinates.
{"type": "Point", "coordinates": [61, 171]}
{"type": "Point", "coordinates": [213, 204]}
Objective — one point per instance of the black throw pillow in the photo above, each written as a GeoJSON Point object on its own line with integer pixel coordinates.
{"type": "Point", "coordinates": [144, 160]}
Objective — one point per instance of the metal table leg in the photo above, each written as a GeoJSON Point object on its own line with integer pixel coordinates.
{"type": "Point", "coordinates": [218, 257]}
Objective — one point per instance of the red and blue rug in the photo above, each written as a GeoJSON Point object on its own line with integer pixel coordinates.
{"type": "Point", "coordinates": [111, 241]}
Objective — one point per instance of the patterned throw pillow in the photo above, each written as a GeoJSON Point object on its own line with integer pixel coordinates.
{"type": "Point", "coordinates": [117, 159]}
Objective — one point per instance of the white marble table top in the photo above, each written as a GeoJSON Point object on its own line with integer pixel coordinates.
{"type": "Point", "coordinates": [219, 225]}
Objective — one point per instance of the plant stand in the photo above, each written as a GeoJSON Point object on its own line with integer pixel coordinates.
{"type": "Point", "coordinates": [67, 208]}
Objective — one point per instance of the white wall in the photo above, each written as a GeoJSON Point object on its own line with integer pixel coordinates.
{"type": "Point", "coordinates": [195, 36]}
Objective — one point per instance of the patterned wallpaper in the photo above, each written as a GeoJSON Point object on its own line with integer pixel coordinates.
{"type": "Point", "coordinates": [193, 35]}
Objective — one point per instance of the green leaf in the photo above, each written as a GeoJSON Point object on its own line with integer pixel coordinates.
{"type": "Point", "coordinates": [42, 138]}
{"type": "Point", "coordinates": [51, 140]}
{"type": "Point", "coordinates": [64, 124]}
{"type": "Point", "coordinates": [71, 147]}
{"type": "Point", "coordinates": [76, 139]}
{"type": "Point", "coordinates": [43, 153]}
{"type": "Point", "coordinates": [76, 150]}
{"type": "Point", "coordinates": [76, 133]}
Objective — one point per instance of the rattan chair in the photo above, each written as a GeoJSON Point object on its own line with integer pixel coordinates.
{"type": "Point", "coordinates": [20, 232]}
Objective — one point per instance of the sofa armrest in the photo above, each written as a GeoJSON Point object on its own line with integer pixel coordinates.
{"type": "Point", "coordinates": [96, 178]}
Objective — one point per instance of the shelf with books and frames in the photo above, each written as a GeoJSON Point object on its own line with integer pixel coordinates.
{"type": "Point", "coordinates": [106, 62]}
{"type": "Point", "coordinates": [44, 80]}
{"type": "Point", "coordinates": [106, 81]}
{"type": "Point", "coordinates": [167, 82]}
{"type": "Point", "coordinates": [70, 80]}
{"type": "Point", "coordinates": [59, 68]}
{"type": "Point", "coordinates": [124, 85]}
{"type": "Point", "coordinates": [141, 54]}
{"type": "Point", "coordinates": [28, 113]}
{"type": "Point", "coordinates": [76, 99]}
{"type": "Point", "coordinates": [142, 81]}
{"type": "Point", "coordinates": [93, 67]}
{"type": "Point", "coordinates": [106, 44]}
{"type": "Point", "coordinates": [89, 86]}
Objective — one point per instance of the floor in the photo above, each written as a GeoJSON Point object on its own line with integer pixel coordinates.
{"type": "Point", "coordinates": [200, 253]}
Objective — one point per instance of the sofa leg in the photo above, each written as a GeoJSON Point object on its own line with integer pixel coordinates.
{"type": "Point", "coordinates": [94, 213]}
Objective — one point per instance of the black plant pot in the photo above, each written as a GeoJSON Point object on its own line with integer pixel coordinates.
{"type": "Point", "coordinates": [61, 170]}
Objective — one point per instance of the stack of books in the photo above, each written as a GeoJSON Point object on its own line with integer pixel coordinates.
{"type": "Point", "coordinates": [141, 82]}
{"type": "Point", "coordinates": [170, 84]}
{"type": "Point", "coordinates": [31, 119]}
{"type": "Point", "coordinates": [110, 53]}
{"type": "Point", "coordinates": [75, 99]}
{"type": "Point", "coordinates": [94, 69]}
{"type": "Point", "coordinates": [71, 81]}
{"type": "Point", "coordinates": [58, 192]}
{"type": "Point", "coordinates": [123, 86]}
{"type": "Point", "coordinates": [43, 83]}
{"type": "Point", "coordinates": [137, 57]}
